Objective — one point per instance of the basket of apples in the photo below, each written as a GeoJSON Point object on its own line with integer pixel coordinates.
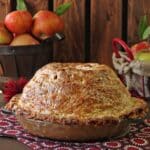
{"type": "Point", "coordinates": [24, 37]}
{"type": "Point", "coordinates": [133, 63]}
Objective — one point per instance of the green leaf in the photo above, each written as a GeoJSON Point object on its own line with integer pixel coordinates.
{"type": "Point", "coordinates": [143, 24]}
{"type": "Point", "coordinates": [146, 33]}
{"type": "Point", "coordinates": [61, 9]}
{"type": "Point", "coordinates": [21, 5]}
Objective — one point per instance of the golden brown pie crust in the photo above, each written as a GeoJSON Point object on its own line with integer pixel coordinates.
{"type": "Point", "coordinates": [78, 94]}
{"type": "Point", "coordinates": [12, 104]}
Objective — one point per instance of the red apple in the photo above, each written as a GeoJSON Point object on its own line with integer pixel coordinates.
{"type": "Point", "coordinates": [139, 47]}
{"type": "Point", "coordinates": [46, 24]}
{"type": "Point", "coordinates": [24, 39]}
{"type": "Point", "coordinates": [19, 21]}
{"type": "Point", "coordinates": [5, 35]}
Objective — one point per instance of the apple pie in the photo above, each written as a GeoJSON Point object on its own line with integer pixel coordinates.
{"type": "Point", "coordinates": [77, 101]}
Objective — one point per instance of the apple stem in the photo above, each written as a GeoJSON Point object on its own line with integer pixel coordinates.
{"type": "Point", "coordinates": [21, 5]}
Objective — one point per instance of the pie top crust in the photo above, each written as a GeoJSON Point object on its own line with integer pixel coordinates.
{"type": "Point", "coordinates": [78, 93]}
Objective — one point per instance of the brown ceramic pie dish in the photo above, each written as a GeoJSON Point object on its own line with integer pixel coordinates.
{"type": "Point", "coordinates": [76, 102]}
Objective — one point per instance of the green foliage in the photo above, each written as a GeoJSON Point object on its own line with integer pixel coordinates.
{"type": "Point", "coordinates": [146, 33]}
{"type": "Point", "coordinates": [21, 5]}
{"type": "Point", "coordinates": [143, 24]}
{"type": "Point", "coordinates": [61, 9]}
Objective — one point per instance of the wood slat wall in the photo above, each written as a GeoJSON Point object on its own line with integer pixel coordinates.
{"type": "Point", "coordinates": [105, 25]}
{"type": "Point", "coordinates": [5, 7]}
{"type": "Point", "coordinates": [90, 26]}
{"type": "Point", "coordinates": [36, 5]}
{"type": "Point", "coordinates": [72, 48]}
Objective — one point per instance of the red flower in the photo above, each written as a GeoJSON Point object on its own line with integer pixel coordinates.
{"type": "Point", "coordinates": [13, 87]}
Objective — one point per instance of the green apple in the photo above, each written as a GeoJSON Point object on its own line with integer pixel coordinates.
{"type": "Point", "coordinates": [143, 56]}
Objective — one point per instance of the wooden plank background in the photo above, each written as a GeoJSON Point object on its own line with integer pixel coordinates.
{"type": "Point", "coordinates": [105, 25]}
{"type": "Point", "coordinates": [72, 48]}
{"type": "Point", "coordinates": [5, 7]}
{"type": "Point", "coordinates": [90, 26]}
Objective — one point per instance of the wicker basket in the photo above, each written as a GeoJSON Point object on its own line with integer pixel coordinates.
{"type": "Point", "coordinates": [135, 74]}
{"type": "Point", "coordinates": [19, 61]}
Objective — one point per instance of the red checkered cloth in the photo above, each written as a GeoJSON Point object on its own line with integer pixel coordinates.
{"type": "Point", "coordinates": [137, 139]}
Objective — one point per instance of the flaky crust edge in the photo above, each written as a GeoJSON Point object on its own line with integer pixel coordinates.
{"type": "Point", "coordinates": [138, 112]}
